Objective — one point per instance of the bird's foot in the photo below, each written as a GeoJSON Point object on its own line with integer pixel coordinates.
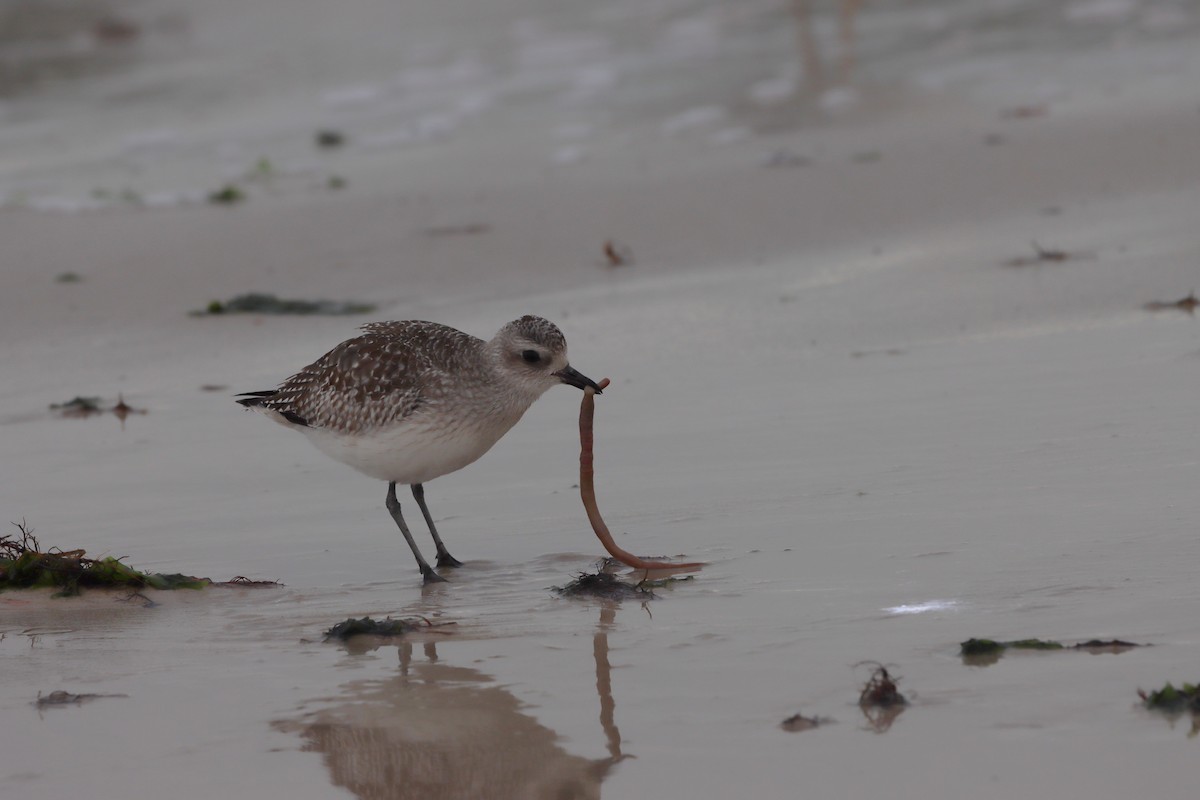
{"type": "Point", "coordinates": [444, 559]}
{"type": "Point", "coordinates": [431, 576]}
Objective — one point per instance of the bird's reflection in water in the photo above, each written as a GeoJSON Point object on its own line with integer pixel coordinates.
{"type": "Point", "coordinates": [608, 706]}
{"type": "Point", "coordinates": [436, 731]}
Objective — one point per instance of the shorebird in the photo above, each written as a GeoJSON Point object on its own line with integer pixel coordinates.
{"type": "Point", "coordinates": [407, 402]}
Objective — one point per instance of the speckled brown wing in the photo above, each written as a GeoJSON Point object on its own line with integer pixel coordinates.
{"type": "Point", "coordinates": [385, 375]}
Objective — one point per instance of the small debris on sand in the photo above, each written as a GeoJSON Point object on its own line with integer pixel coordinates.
{"type": "Point", "coordinates": [78, 407]}
{"type": "Point", "coordinates": [329, 139]}
{"type": "Point", "coordinates": [1042, 255]}
{"type": "Point", "coordinates": [617, 254]}
{"type": "Point", "coordinates": [1114, 646]}
{"type": "Point", "coordinates": [242, 580]}
{"type": "Point", "coordinates": [798, 722]}
{"type": "Point", "coordinates": [82, 407]}
{"type": "Point", "coordinates": [1186, 304]}
{"type": "Point", "coordinates": [62, 698]}
{"type": "Point", "coordinates": [122, 410]}
{"type": "Point", "coordinates": [262, 303]}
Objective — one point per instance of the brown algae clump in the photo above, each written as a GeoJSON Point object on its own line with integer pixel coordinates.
{"type": "Point", "coordinates": [605, 586]}
{"type": "Point", "coordinates": [880, 690]}
{"type": "Point", "coordinates": [880, 700]}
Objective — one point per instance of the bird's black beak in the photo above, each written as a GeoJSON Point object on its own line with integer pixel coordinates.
{"type": "Point", "coordinates": [573, 377]}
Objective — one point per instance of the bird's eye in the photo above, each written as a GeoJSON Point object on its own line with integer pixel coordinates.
{"type": "Point", "coordinates": [531, 356]}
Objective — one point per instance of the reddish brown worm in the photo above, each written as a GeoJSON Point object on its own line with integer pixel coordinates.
{"type": "Point", "coordinates": [587, 491]}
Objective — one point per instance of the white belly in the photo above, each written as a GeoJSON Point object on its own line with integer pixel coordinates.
{"type": "Point", "coordinates": [409, 453]}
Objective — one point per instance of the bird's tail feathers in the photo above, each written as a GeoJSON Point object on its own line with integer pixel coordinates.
{"type": "Point", "coordinates": [251, 399]}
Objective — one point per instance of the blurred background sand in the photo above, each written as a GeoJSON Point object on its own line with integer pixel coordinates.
{"type": "Point", "coordinates": [843, 376]}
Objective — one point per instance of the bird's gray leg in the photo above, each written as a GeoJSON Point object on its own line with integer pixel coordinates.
{"type": "Point", "coordinates": [444, 557]}
{"type": "Point", "coordinates": [393, 506]}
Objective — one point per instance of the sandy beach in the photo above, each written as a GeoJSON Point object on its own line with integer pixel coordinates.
{"type": "Point", "coordinates": [881, 357]}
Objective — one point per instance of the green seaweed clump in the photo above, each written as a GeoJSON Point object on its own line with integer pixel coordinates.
{"type": "Point", "coordinates": [24, 565]}
{"type": "Point", "coordinates": [227, 195]}
{"type": "Point", "coordinates": [1034, 644]}
{"type": "Point", "coordinates": [980, 647]}
{"type": "Point", "coordinates": [1172, 700]}
{"type": "Point", "coordinates": [983, 652]}
{"type": "Point", "coordinates": [985, 647]}
{"type": "Point", "coordinates": [262, 303]}
{"type": "Point", "coordinates": [988, 651]}
{"type": "Point", "coordinates": [369, 627]}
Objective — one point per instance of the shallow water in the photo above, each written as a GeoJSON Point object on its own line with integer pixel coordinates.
{"type": "Point", "coordinates": [827, 385]}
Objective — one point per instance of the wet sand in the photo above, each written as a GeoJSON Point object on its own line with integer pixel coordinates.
{"type": "Point", "coordinates": [829, 383]}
